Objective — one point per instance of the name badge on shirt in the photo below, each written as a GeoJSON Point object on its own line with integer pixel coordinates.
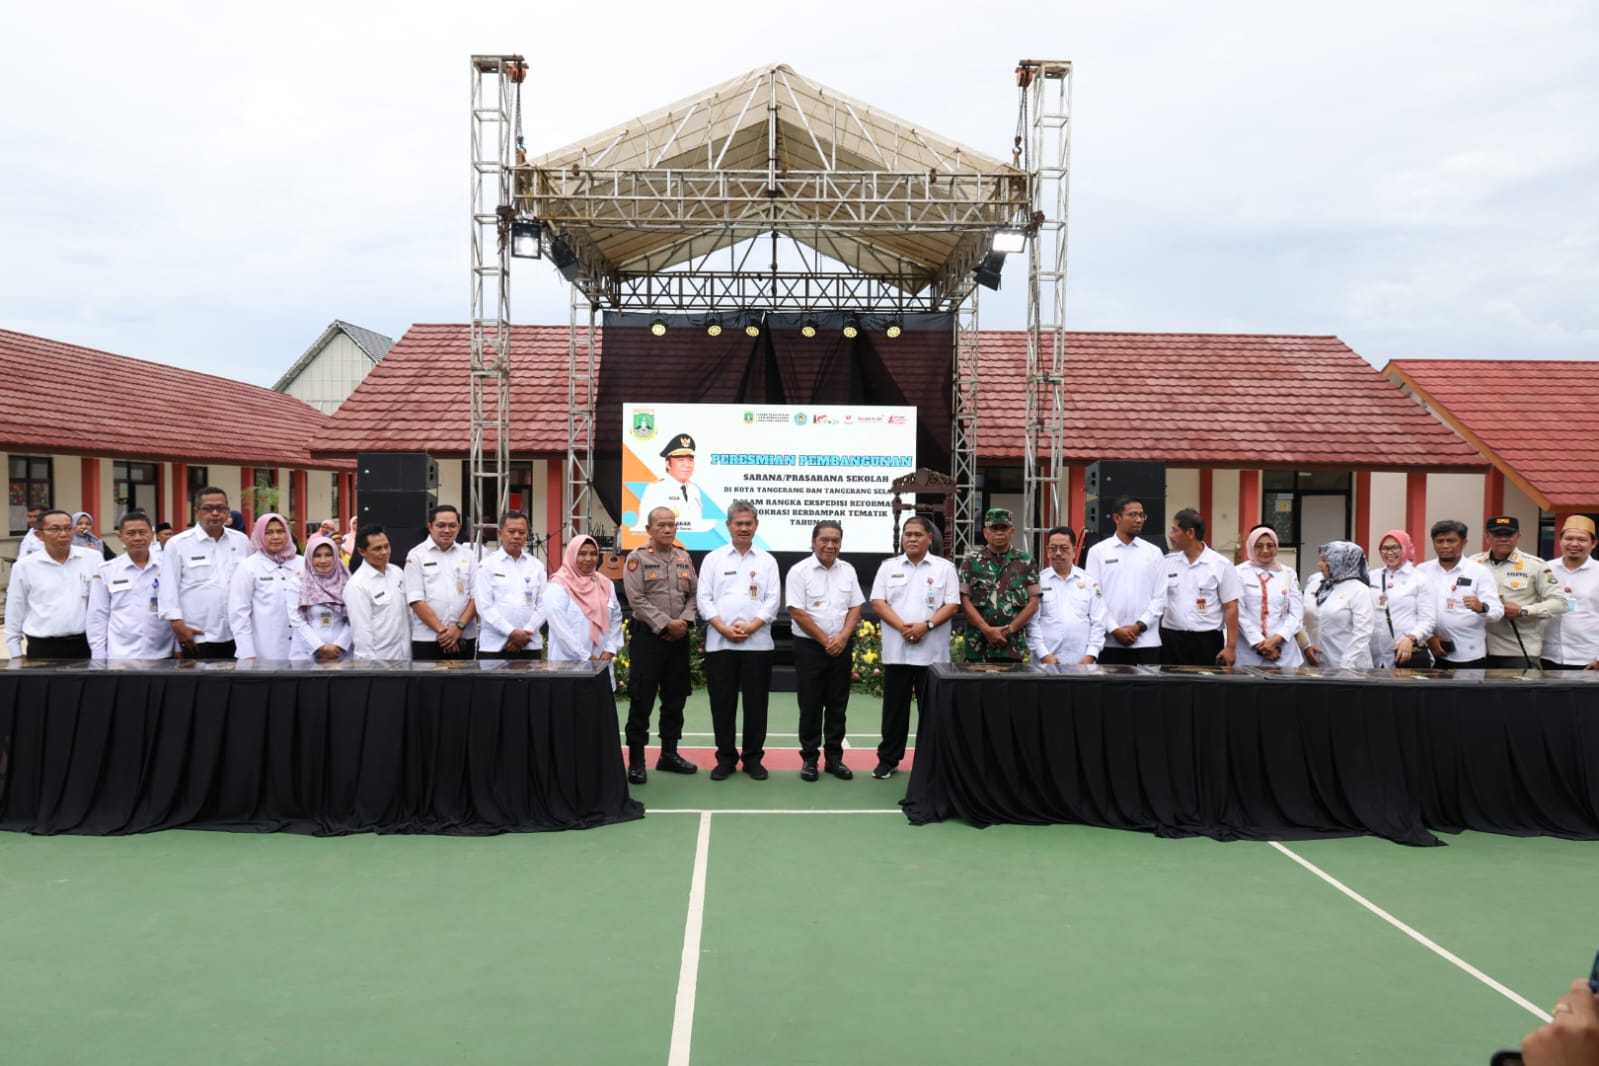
{"type": "Point", "coordinates": [932, 594]}
{"type": "Point", "coordinates": [325, 619]}
{"type": "Point", "coordinates": [430, 564]}
{"type": "Point", "coordinates": [119, 584]}
{"type": "Point", "coordinates": [196, 562]}
{"type": "Point", "coordinates": [1200, 603]}
{"type": "Point", "coordinates": [896, 579]}
{"type": "Point", "coordinates": [381, 597]}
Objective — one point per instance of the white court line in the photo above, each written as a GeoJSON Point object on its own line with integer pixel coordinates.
{"type": "Point", "coordinates": [706, 812]}
{"type": "Point", "coordinates": [1419, 938]}
{"type": "Point", "coordinates": [688, 974]}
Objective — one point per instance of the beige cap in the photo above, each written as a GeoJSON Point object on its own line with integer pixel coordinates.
{"type": "Point", "coordinates": [1581, 522]}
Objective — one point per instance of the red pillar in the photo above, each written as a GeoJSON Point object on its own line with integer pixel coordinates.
{"type": "Point", "coordinates": [346, 499]}
{"type": "Point", "coordinates": [1077, 499]}
{"type": "Point", "coordinates": [179, 516]}
{"type": "Point", "coordinates": [247, 495]}
{"type": "Point", "coordinates": [1493, 493]}
{"type": "Point", "coordinates": [553, 491]}
{"type": "Point", "coordinates": [1205, 477]}
{"type": "Point", "coordinates": [298, 505]}
{"type": "Point", "coordinates": [1416, 510]}
{"type": "Point", "coordinates": [1248, 501]}
{"type": "Point", "coordinates": [1363, 510]}
{"type": "Point", "coordinates": [91, 491]}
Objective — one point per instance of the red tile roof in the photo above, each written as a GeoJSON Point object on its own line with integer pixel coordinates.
{"type": "Point", "coordinates": [80, 401]}
{"type": "Point", "coordinates": [1535, 419]}
{"type": "Point", "coordinates": [1186, 399]}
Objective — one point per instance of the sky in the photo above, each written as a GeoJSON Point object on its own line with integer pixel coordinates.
{"type": "Point", "coordinates": [209, 186]}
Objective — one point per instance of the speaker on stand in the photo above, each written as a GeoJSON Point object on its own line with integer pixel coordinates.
{"type": "Point", "coordinates": [1108, 480]}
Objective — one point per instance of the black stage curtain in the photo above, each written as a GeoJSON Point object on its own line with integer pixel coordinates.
{"type": "Point", "coordinates": [1257, 757]}
{"type": "Point", "coordinates": [467, 749]}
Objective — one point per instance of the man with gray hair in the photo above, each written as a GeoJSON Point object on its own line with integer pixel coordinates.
{"type": "Point", "coordinates": [738, 598]}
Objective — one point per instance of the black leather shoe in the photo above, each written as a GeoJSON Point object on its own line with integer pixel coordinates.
{"type": "Point", "coordinates": [840, 771]}
{"type": "Point", "coordinates": [673, 763]}
{"type": "Point", "coordinates": [756, 771]}
{"type": "Point", "coordinates": [721, 772]}
{"type": "Point", "coordinates": [808, 770]}
{"type": "Point", "coordinates": [884, 771]}
{"type": "Point", "coordinates": [637, 775]}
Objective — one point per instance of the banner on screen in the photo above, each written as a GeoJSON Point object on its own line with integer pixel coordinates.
{"type": "Point", "coordinates": [796, 463]}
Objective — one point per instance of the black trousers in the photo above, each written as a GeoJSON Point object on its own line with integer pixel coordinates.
{"type": "Point", "coordinates": [1190, 647]}
{"type": "Point", "coordinates": [72, 646]}
{"type": "Point", "coordinates": [1114, 654]}
{"type": "Point", "coordinates": [225, 649]}
{"type": "Point", "coordinates": [659, 666]}
{"type": "Point", "coordinates": [428, 651]}
{"type": "Point", "coordinates": [1462, 664]}
{"type": "Point", "coordinates": [821, 682]}
{"type": "Point", "coordinates": [1509, 662]}
{"type": "Point", "coordinates": [526, 655]}
{"type": "Point", "coordinates": [729, 675]}
{"type": "Point", "coordinates": [900, 683]}
{"type": "Point", "coordinates": [1549, 664]}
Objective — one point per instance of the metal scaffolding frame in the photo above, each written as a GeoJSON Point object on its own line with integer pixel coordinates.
{"type": "Point", "coordinates": [866, 222]}
{"type": "Point", "coordinates": [1046, 97]}
{"type": "Point", "coordinates": [493, 79]}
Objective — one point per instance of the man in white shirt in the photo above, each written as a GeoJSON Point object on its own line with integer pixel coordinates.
{"type": "Point", "coordinates": [1571, 639]}
{"type": "Point", "coordinates": [1466, 598]}
{"type": "Point", "coordinates": [509, 595]}
{"type": "Point", "coordinates": [439, 579]}
{"type": "Point", "coordinates": [31, 541]}
{"type": "Point", "coordinates": [1199, 626]}
{"type": "Point", "coordinates": [199, 565]}
{"type": "Point", "coordinates": [124, 600]}
{"type": "Point", "coordinates": [48, 598]}
{"type": "Point", "coordinates": [738, 598]}
{"type": "Point", "coordinates": [676, 491]}
{"type": "Point", "coordinates": [824, 602]}
{"type": "Point", "coordinates": [1132, 575]}
{"type": "Point", "coordinates": [1528, 590]}
{"type": "Point", "coordinates": [1070, 624]}
{"type": "Point", "coordinates": [915, 594]}
{"type": "Point", "coordinates": [374, 599]}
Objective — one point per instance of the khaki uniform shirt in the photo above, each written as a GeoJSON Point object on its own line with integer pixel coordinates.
{"type": "Point", "coordinates": [1526, 581]}
{"type": "Point", "coordinates": [660, 586]}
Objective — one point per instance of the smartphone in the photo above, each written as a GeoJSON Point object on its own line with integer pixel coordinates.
{"type": "Point", "coordinates": [1513, 1058]}
{"type": "Point", "coordinates": [1448, 646]}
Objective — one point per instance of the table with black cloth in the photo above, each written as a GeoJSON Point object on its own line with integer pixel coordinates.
{"type": "Point", "coordinates": [458, 748]}
{"type": "Point", "coordinates": [1261, 754]}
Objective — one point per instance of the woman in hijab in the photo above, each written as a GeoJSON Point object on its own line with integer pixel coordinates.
{"type": "Point", "coordinates": [580, 606]}
{"type": "Point", "coordinates": [347, 546]}
{"type": "Point", "coordinates": [258, 604]}
{"type": "Point", "coordinates": [84, 536]}
{"type": "Point", "coordinates": [1338, 610]}
{"type": "Point", "coordinates": [319, 626]}
{"type": "Point", "coordinates": [1404, 605]}
{"type": "Point", "coordinates": [1273, 609]}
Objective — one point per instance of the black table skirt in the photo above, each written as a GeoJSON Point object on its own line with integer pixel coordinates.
{"type": "Point", "coordinates": [323, 751]}
{"type": "Point", "coordinates": [1252, 757]}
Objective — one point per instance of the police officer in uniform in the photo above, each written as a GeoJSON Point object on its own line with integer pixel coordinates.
{"type": "Point", "coordinates": [1529, 591]}
{"type": "Point", "coordinates": [661, 585]}
{"type": "Point", "coordinates": [999, 594]}
{"type": "Point", "coordinates": [676, 491]}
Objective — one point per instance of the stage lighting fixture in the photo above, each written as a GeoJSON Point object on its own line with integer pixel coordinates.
{"type": "Point", "coordinates": [852, 327]}
{"type": "Point", "coordinates": [987, 271]}
{"type": "Point", "coordinates": [658, 327]}
{"type": "Point", "coordinates": [525, 240]}
{"type": "Point", "coordinates": [565, 259]}
{"type": "Point", "coordinates": [713, 326]}
{"type": "Point", "coordinates": [752, 328]}
{"type": "Point", "coordinates": [894, 329]}
{"type": "Point", "coordinates": [809, 328]}
{"type": "Point", "coordinates": [1009, 240]}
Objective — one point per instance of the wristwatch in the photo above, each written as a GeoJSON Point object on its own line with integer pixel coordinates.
{"type": "Point", "coordinates": [1142, 628]}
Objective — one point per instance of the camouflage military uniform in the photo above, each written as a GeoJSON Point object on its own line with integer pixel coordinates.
{"type": "Point", "coordinates": [999, 587]}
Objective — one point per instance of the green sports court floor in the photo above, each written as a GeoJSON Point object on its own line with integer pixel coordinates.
{"type": "Point", "coordinates": [782, 922]}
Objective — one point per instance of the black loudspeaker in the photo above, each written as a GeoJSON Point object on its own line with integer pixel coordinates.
{"type": "Point", "coordinates": [396, 472]}
{"type": "Point", "coordinates": [403, 515]}
{"type": "Point", "coordinates": [1109, 479]}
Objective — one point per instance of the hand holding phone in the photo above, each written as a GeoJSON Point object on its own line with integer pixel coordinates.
{"type": "Point", "coordinates": [1572, 1037]}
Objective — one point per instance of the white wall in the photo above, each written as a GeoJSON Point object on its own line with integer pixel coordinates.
{"type": "Point", "coordinates": [1458, 496]}
{"type": "Point", "coordinates": [333, 373]}
{"type": "Point", "coordinates": [1221, 524]}
{"type": "Point", "coordinates": [1182, 490]}
{"type": "Point", "coordinates": [1387, 506]}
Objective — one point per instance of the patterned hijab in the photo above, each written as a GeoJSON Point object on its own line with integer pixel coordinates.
{"type": "Point", "coordinates": [316, 589]}
{"type": "Point", "coordinates": [591, 593]}
{"type": "Point", "coordinates": [258, 538]}
{"type": "Point", "coordinates": [1345, 562]}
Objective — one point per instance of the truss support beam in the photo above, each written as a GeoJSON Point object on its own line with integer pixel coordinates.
{"type": "Point", "coordinates": [582, 393]}
{"type": "Point", "coordinates": [489, 460]}
{"type": "Point", "coordinates": [1047, 94]}
{"type": "Point", "coordinates": [963, 438]}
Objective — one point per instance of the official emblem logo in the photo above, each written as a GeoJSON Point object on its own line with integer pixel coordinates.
{"type": "Point", "coordinates": [644, 424]}
{"type": "Point", "coordinates": [749, 418]}
{"type": "Point", "coordinates": [799, 418]}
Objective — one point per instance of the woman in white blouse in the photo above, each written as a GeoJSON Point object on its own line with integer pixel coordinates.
{"type": "Point", "coordinates": [1273, 608]}
{"type": "Point", "coordinates": [580, 608]}
{"type": "Point", "coordinates": [1404, 604]}
{"type": "Point", "coordinates": [258, 610]}
{"type": "Point", "coordinates": [318, 621]}
{"type": "Point", "coordinates": [1339, 616]}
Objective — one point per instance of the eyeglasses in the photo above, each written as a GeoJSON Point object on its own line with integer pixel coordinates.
{"type": "Point", "coordinates": [1061, 549]}
{"type": "Point", "coordinates": [1389, 549]}
{"type": "Point", "coordinates": [213, 508]}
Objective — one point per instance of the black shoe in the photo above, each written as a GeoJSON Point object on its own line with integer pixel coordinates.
{"type": "Point", "coordinates": [721, 772]}
{"type": "Point", "coordinates": [839, 770]}
{"type": "Point", "coordinates": [808, 770]}
{"type": "Point", "coordinates": [884, 771]}
{"type": "Point", "coordinates": [637, 775]}
{"type": "Point", "coordinates": [673, 763]}
{"type": "Point", "coordinates": [756, 771]}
